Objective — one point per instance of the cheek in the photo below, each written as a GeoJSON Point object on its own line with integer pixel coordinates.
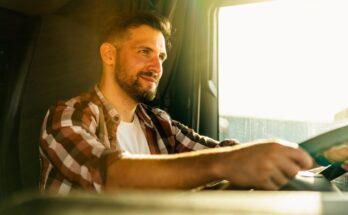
{"type": "Point", "coordinates": [130, 68]}
{"type": "Point", "coordinates": [136, 64]}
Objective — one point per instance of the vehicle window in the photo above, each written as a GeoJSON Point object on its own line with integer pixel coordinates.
{"type": "Point", "coordinates": [282, 68]}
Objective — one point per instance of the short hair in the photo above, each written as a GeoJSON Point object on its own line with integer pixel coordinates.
{"type": "Point", "coordinates": [117, 27]}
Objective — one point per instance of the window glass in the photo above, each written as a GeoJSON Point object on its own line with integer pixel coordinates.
{"type": "Point", "coordinates": [283, 68]}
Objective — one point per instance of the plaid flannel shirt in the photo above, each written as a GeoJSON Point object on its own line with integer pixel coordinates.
{"type": "Point", "coordinates": [79, 135]}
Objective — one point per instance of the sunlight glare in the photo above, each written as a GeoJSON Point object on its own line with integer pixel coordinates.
{"type": "Point", "coordinates": [285, 59]}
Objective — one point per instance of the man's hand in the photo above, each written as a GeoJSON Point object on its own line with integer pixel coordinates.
{"type": "Point", "coordinates": [338, 154]}
{"type": "Point", "coordinates": [264, 164]}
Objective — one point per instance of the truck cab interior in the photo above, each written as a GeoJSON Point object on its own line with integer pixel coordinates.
{"type": "Point", "coordinates": [49, 52]}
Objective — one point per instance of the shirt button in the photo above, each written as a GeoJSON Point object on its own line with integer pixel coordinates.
{"type": "Point", "coordinates": [116, 119]}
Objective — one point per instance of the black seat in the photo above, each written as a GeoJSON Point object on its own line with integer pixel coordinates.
{"type": "Point", "coordinates": [60, 60]}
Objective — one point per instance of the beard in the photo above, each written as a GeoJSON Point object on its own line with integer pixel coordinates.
{"type": "Point", "coordinates": [132, 84]}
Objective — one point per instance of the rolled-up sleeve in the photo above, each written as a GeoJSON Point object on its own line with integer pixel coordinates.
{"type": "Point", "coordinates": [187, 138]}
{"type": "Point", "coordinates": [71, 153]}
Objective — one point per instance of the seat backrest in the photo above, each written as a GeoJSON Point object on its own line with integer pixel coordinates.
{"type": "Point", "coordinates": [64, 64]}
{"type": "Point", "coordinates": [16, 49]}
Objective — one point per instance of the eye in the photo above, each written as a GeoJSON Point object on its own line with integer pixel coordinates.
{"type": "Point", "coordinates": [144, 51]}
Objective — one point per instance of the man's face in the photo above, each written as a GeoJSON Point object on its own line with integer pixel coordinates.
{"type": "Point", "coordinates": [139, 62]}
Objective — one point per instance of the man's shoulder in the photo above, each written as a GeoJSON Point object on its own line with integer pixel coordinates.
{"type": "Point", "coordinates": [86, 100]}
{"type": "Point", "coordinates": [82, 110]}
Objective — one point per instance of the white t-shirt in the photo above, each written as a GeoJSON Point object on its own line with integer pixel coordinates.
{"type": "Point", "coordinates": [131, 138]}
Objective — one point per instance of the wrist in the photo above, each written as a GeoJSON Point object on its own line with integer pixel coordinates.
{"type": "Point", "coordinates": [218, 165]}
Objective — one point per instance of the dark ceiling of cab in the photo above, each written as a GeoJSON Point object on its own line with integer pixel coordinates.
{"type": "Point", "coordinates": [33, 7]}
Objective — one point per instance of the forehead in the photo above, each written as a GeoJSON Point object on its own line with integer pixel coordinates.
{"type": "Point", "coordinates": [145, 35]}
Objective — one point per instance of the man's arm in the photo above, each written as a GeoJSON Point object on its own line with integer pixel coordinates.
{"type": "Point", "coordinates": [78, 156]}
{"type": "Point", "coordinates": [264, 164]}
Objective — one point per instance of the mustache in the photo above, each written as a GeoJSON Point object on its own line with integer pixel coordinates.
{"type": "Point", "coordinates": [150, 74]}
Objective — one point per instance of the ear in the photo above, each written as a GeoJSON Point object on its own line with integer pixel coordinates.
{"type": "Point", "coordinates": [108, 53]}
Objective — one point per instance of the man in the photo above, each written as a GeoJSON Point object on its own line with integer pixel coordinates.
{"type": "Point", "coordinates": [107, 140]}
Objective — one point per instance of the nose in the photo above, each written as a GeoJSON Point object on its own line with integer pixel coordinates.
{"type": "Point", "coordinates": [156, 65]}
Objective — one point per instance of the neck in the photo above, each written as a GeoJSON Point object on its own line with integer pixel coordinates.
{"type": "Point", "coordinates": [123, 103]}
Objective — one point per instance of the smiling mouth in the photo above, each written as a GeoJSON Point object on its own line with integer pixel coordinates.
{"type": "Point", "coordinates": [149, 77]}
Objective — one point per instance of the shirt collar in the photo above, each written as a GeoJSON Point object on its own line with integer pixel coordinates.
{"type": "Point", "coordinates": [140, 110]}
{"type": "Point", "coordinates": [108, 106]}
